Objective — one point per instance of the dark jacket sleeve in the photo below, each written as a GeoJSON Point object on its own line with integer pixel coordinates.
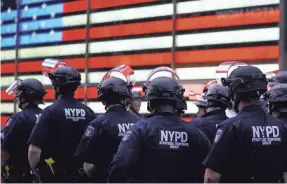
{"type": "Point", "coordinates": [127, 155]}
{"type": "Point", "coordinates": [285, 150]}
{"type": "Point", "coordinates": [10, 133]}
{"type": "Point", "coordinates": [224, 143]}
{"type": "Point", "coordinates": [42, 131]}
{"type": "Point", "coordinates": [90, 145]}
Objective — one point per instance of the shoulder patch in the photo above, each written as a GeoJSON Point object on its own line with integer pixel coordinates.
{"type": "Point", "coordinates": [127, 135]}
{"type": "Point", "coordinates": [89, 131]}
{"type": "Point", "coordinates": [218, 135]}
{"type": "Point", "coordinates": [9, 122]}
{"type": "Point", "coordinates": [38, 116]}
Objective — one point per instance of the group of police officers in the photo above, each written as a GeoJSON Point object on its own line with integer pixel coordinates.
{"type": "Point", "coordinates": [66, 142]}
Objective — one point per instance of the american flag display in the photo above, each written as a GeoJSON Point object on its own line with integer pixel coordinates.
{"type": "Point", "coordinates": [136, 33]}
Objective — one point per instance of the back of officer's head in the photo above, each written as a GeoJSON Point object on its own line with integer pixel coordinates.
{"type": "Point", "coordinates": [217, 96]}
{"type": "Point", "coordinates": [247, 83]}
{"type": "Point", "coordinates": [30, 91]}
{"type": "Point", "coordinates": [135, 101]}
{"type": "Point", "coordinates": [114, 91]}
{"type": "Point", "coordinates": [65, 80]}
{"type": "Point", "coordinates": [165, 94]}
{"type": "Point", "coordinates": [277, 98]}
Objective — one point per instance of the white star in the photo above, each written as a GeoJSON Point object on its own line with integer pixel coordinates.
{"type": "Point", "coordinates": [53, 14]}
{"type": "Point", "coordinates": [25, 27]}
{"type": "Point", "coordinates": [9, 10]}
{"type": "Point", "coordinates": [34, 17]}
{"type": "Point", "coordinates": [26, 8]}
{"type": "Point", "coordinates": [52, 32]}
{"type": "Point", "coordinates": [34, 33]}
{"type": "Point", "coordinates": [44, 5]}
{"type": "Point", "coordinates": [15, 36]}
{"type": "Point", "coordinates": [43, 24]}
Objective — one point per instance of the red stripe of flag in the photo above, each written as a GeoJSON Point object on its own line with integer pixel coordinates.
{"type": "Point", "coordinates": [190, 23]}
{"type": "Point", "coordinates": [4, 120]}
{"type": "Point", "coordinates": [211, 56]}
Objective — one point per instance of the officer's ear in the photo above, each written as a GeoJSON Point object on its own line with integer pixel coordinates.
{"type": "Point", "coordinates": [125, 101]}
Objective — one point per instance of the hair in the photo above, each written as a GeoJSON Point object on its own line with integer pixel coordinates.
{"type": "Point", "coordinates": [112, 98]}
{"type": "Point", "coordinates": [68, 89]}
{"type": "Point", "coordinates": [253, 96]}
{"type": "Point", "coordinates": [160, 102]}
{"type": "Point", "coordinates": [213, 103]}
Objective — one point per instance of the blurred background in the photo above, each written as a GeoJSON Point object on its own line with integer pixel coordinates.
{"type": "Point", "coordinates": [193, 37]}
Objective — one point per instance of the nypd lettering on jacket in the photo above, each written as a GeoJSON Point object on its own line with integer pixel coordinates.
{"type": "Point", "coordinates": [266, 134]}
{"type": "Point", "coordinates": [173, 139]}
{"type": "Point", "coordinates": [123, 128]}
{"type": "Point", "coordinates": [75, 114]}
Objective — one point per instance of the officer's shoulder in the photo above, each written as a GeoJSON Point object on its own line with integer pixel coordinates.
{"type": "Point", "coordinates": [81, 104]}
{"type": "Point", "coordinates": [50, 108]}
{"type": "Point", "coordinates": [15, 117]}
{"type": "Point", "coordinates": [276, 121]}
{"type": "Point", "coordinates": [143, 123]}
{"type": "Point", "coordinates": [134, 116]}
{"type": "Point", "coordinates": [87, 108]}
{"type": "Point", "coordinates": [228, 122]}
{"type": "Point", "coordinates": [196, 121]}
{"type": "Point", "coordinates": [192, 129]}
{"type": "Point", "coordinates": [98, 119]}
{"type": "Point", "coordinates": [189, 125]}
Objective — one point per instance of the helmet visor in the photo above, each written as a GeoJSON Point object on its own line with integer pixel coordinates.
{"type": "Point", "coordinates": [50, 65]}
{"type": "Point", "coordinates": [225, 69]}
{"type": "Point", "coordinates": [12, 89]}
{"type": "Point", "coordinates": [161, 72]}
{"type": "Point", "coordinates": [124, 72]}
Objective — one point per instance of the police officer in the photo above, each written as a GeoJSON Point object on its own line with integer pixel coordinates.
{"type": "Point", "coordinates": [60, 128]}
{"type": "Point", "coordinates": [29, 94]}
{"type": "Point", "coordinates": [103, 135]}
{"type": "Point", "coordinates": [277, 98]}
{"type": "Point", "coordinates": [135, 103]}
{"type": "Point", "coordinates": [202, 102]}
{"type": "Point", "coordinates": [243, 149]}
{"type": "Point", "coordinates": [161, 148]}
{"type": "Point", "coordinates": [217, 102]}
